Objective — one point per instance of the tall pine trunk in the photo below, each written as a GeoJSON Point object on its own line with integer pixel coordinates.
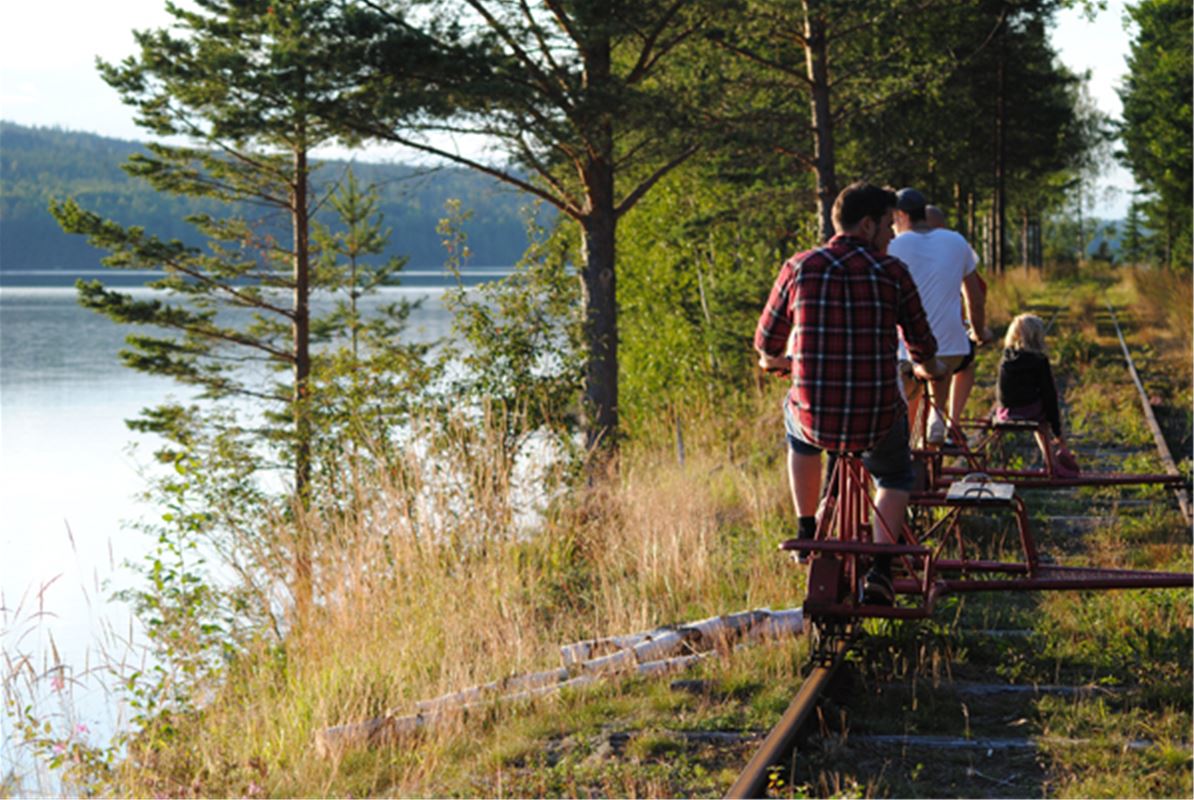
{"type": "Point", "coordinates": [959, 213]}
{"type": "Point", "coordinates": [601, 312]}
{"type": "Point", "coordinates": [1025, 239]}
{"type": "Point", "coordinates": [972, 218]}
{"type": "Point", "coordinates": [816, 51]}
{"type": "Point", "coordinates": [301, 328]}
{"type": "Point", "coordinates": [998, 201]}
{"type": "Point", "coordinates": [599, 228]}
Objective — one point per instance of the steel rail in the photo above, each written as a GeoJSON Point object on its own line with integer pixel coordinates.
{"type": "Point", "coordinates": [1158, 435]}
{"type": "Point", "coordinates": [778, 744]}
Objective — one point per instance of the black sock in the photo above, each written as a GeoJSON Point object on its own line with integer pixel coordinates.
{"type": "Point", "coordinates": [806, 527]}
{"type": "Point", "coordinates": [883, 565]}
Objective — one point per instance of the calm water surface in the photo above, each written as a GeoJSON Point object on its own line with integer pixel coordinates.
{"type": "Point", "coordinates": [70, 470]}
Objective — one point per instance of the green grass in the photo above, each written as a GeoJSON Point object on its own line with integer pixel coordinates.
{"type": "Point", "coordinates": [409, 616]}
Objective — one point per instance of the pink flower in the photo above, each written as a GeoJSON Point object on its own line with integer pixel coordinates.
{"type": "Point", "coordinates": [58, 683]}
{"type": "Point", "coordinates": [59, 748]}
{"type": "Point", "coordinates": [81, 729]}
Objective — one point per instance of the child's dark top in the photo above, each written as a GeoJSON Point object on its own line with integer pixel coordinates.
{"type": "Point", "coordinates": [1026, 378]}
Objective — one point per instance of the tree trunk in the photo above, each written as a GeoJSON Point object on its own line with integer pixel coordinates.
{"type": "Point", "coordinates": [1038, 244]}
{"type": "Point", "coordinates": [301, 328]}
{"type": "Point", "coordinates": [1025, 239]}
{"type": "Point", "coordinates": [959, 217]}
{"type": "Point", "coordinates": [1081, 231]}
{"type": "Point", "coordinates": [971, 219]}
{"type": "Point", "coordinates": [599, 226]}
{"type": "Point", "coordinates": [989, 239]}
{"type": "Point", "coordinates": [601, 320]}
{"type": "Point", "coordinates": [998, 211]}
{"type": "Point", "coordinates": [816, 54]}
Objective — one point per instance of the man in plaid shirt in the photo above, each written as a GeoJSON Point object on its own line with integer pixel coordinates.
{"type": "Point", "coordinates": [831, 318]}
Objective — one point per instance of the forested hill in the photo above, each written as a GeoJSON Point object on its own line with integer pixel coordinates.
{"type": "Point", "coordinates": [38, 164]}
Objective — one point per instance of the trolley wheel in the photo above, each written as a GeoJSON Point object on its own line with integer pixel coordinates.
{"type": "Point", "coordinates": [825, 634]}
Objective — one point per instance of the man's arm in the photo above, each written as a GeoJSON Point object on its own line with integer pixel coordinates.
{"type": "Point", "coordinates": [918, 336]}
{"type": "Point", "coordinates": [974, 295]}
{"type": "Point", "coordinates": [775, 323]}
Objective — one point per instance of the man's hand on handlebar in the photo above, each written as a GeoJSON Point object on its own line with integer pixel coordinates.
{"type": "Point", "coordinates": [778, 364]}
{"type": "Point", "coordinates": [933, 368]}
{"type": "Point", "coordinates": [981, 337]}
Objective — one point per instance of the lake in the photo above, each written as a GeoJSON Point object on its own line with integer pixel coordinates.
{"type": "Point", "coordinates": [70, 468]}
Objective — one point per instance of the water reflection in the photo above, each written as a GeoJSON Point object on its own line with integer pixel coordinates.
{"type": "Point", "coordinates": [69, 471]}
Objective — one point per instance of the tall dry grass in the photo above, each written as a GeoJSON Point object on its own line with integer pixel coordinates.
{"type": "Point", "coordinates": [1164, 299]}
{"type": "Point", "coordinates": [1011, 293]}
{"type": "Point", "coordinates": [432, 580]}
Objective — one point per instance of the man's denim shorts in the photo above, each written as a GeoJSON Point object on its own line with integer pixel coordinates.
{"type": "Point", "coordinates": [889, 462]}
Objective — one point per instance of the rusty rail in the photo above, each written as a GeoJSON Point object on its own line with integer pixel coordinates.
{"type": "Point", "coordinates": [1158, 435]}
{"type": "Point", "coordinates": [778, 744]}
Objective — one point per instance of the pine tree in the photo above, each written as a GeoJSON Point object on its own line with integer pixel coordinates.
{"type": "Point", "coordinates": [1158, 97]}
{"type": "Point", "coordinates": [250, 85]}
{"type": "Point", "coordinates": [578, 95]}
{"type": "Point", "coordinates": [366, 377]}
{"type": "Point", "coordinates": [809, 68]}
{"type": "Point", "coordinates": [1135, 237]}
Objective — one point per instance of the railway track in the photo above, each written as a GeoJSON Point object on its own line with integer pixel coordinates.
{"type": "Point", "coordinates": [778, 744]}
{"type": "Point", "coordinates": [978, 716]}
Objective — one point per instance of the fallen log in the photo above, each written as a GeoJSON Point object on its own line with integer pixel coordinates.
{"type": "Point", "coordinates": [388, 729]}
{"type": "Point", "coordinates": [514, 683]}
{"type": "Point", "coordinates": [658, 652]}
{"type": "Point", "coordinates": [578, 652]}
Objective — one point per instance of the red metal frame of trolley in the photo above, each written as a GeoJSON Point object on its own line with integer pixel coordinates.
{"type": "Point", "coordinates": [976, 458]}
{"type": "Point", "coordinates": [930, 564]}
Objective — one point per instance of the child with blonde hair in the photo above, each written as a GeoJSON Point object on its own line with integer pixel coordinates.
{"type": "Point", "coordinates": [1026, 391]}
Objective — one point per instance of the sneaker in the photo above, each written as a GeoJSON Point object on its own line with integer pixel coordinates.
{"type": "Point", "coordinates": [1065, 465]}
{"type": "Point", "coordinates": [877, 590]}
{"type": "Point", "coordinates": [802, 556]}
{"type": "Point", "coordinates": [936, 434]}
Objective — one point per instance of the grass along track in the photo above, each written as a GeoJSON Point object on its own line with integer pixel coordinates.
{"type": "Point", "coordinates": [1098, 702]}
{"type": "Point", "coordinates": [1059, 694]}
{"type": "Point", "coordinates": [1063, 694]}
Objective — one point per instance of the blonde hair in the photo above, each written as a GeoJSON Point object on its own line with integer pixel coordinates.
{"type": "Point", "coordinates": [1026, 332]}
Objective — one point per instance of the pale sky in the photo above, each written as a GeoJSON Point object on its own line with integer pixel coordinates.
{"type": "Point", "coordinates": [48, 77]}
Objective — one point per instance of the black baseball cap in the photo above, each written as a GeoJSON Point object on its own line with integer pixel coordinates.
{"type": "Point", "coordinates": [909, 199]}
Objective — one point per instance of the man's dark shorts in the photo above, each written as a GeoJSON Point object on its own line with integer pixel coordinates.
{"type": "Point", "coordinates": [889, 462]}
{"type": "Point", "coordinates": [967, 359]}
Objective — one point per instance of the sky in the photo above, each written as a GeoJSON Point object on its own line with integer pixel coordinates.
{"type": "Point", "coordinates": [48, 78]}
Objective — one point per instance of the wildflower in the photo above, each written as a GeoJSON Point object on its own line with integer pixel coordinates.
{"type": "Point", "coordinates": [81, 729]}
{"type": "Point", "coordinates": [58, 683]}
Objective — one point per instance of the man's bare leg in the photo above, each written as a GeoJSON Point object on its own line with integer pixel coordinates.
{"type": "Point", "coordinates": [890, 506]}
{"type": "Point", "coordinates": [939, 397]}
{"type": "Point", "coordinates": [914, 392]}
{"type": "Point", "coordinates": [959, 391]}
{"type": "Point", "coordinates": [804, 479]}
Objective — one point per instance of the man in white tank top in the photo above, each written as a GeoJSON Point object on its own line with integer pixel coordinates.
{"type": "Point", "coordinates": [943, 266]}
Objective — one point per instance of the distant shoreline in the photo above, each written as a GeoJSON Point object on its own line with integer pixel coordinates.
{"type": "Point", "coordinates": [418, 278]}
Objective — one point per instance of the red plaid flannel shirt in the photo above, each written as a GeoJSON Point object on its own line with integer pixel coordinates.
{"type": "Point", "coordinates": [845, 301]}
